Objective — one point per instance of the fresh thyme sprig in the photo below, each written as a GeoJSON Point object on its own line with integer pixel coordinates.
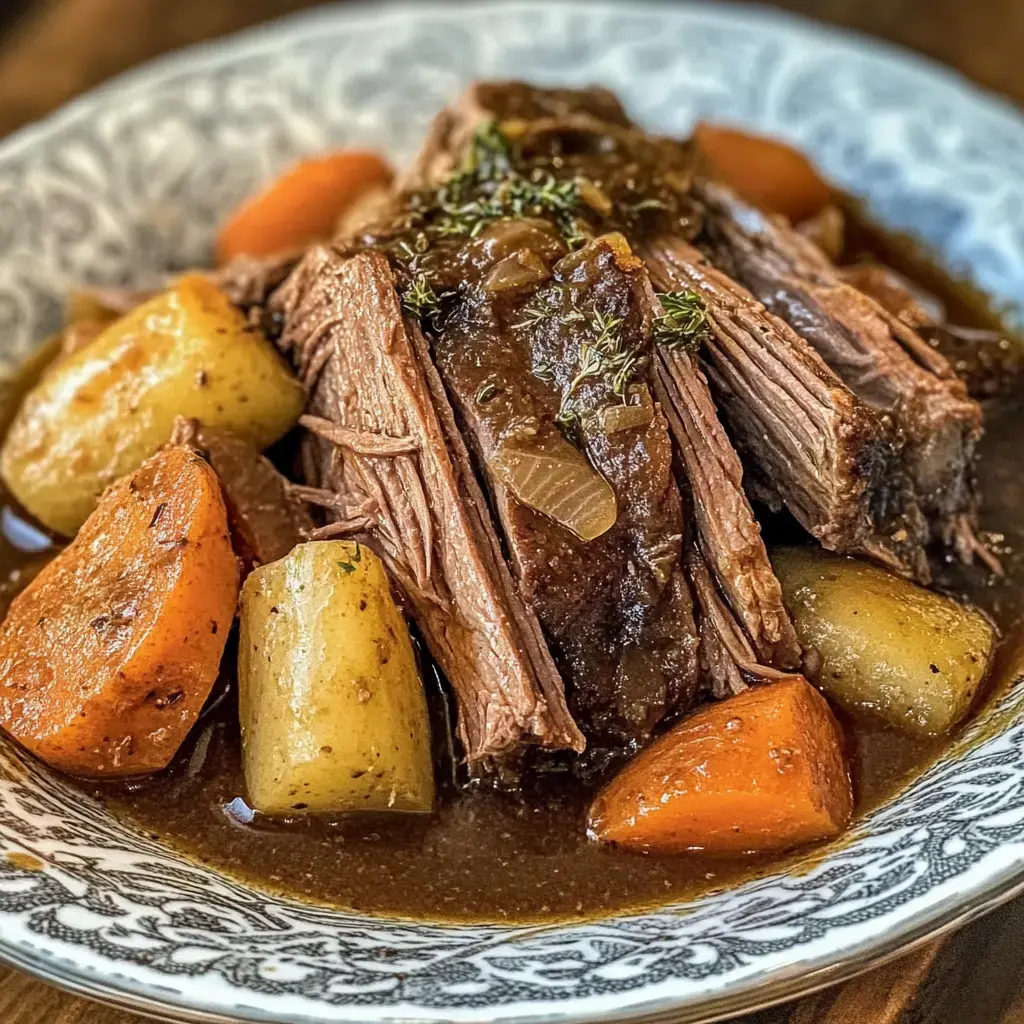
{"type": "Point", "coordinates": [605, 356]}
{"type": "Point", "coordinates": [420, 299]}
{"type": "Point", "coordinates": [682, 322]}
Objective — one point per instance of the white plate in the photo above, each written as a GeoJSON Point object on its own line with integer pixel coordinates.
{"type": "Point", "coordinates": [136, 175]}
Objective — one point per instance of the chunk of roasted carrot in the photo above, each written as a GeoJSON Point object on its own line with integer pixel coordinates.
{"type": "Point", "coordinates": [107, 657]}
{"type": "Point", "coordinates": [760, 771]}
{"type": "Point", "coordinates": [766, 172]}
{"type": "Point", "coordinates": [301, 206]}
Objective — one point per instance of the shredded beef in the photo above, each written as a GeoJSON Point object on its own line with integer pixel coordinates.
{"type": "Point", "coordinates": [421, 510]}
{"type": "Point", "coordinates": [879, 356]}
{"type": "Point", "coordinates": [811, 444]}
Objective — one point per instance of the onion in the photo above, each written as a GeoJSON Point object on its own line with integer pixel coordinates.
{"type": "Point", "coordinates": [522, 269]}
{"type": "Point", "coordinates": [554, 478]}
{"type": "Point", "coordinates": [614, 418]}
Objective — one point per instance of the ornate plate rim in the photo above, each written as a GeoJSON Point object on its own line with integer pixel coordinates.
{"type": "Point", "coordinates": [752, 994]}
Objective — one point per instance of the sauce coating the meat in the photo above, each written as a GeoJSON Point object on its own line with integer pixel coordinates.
{"type": "Point", "coordinates": [492, 857]}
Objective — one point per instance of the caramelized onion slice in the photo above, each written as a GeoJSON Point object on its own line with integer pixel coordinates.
{"type": "Point", "coordinates": [638, 413]}
{"type": "Point", "coordinates": [555, 478]}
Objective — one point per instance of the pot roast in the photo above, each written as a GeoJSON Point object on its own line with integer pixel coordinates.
{"type": "Point", "coordinates": [552, 382]}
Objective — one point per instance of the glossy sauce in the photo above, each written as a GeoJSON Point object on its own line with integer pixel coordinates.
{"type": "Point", "coordinates": [486, 856]}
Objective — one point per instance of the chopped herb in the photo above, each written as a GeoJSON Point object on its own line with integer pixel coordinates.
{"type": "Point", "coordinates": [490, 155]}
{"type": "Point", "coordinates": [356, 557]}
{"type": "Point", "coordinates": [682, 322]}
{"type": "Point", "coordinates": [545, 307]}
{"type": "Point", "coordinates": [609, 333]}
{"type": "Point", "coordinates": [567, 416]}
{"type": "Point", "coordinates": [534, 314]}
{"type": "Point", "coordinates": [487, 392]}
{"type": "Point", "coordinates": [544, 372]}
{"type": "Point", "coordinates": [420, 299]}
{"type": "Point", "coordinates": [489, 187]}
{"type": "Point", "coordinates": [604, 356]}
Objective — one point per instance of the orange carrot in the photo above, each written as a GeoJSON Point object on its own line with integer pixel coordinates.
{"type": "Point", "coordinates": [760, 771]}
{"type": "Point", "coordinates": [107, 657]}
{"type": "Point", "coordinates": [302, 205]}
{"type": "Point", "coordinates": [766, 172]}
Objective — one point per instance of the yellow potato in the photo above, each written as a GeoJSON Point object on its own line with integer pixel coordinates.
{"type": "Point", "coordinates": [334, 717]}
{"type": "Point", "coordinates": [906, 655]}
{"type": "Point", "coordinates": [98, 414]}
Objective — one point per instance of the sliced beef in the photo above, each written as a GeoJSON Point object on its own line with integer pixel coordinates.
{"type": "Point", "coordinates": [808, 442]}
{"type": "Point", "coordinates": [268, 518]}
{"type": "Point", "coordinates": [385, 451]}
{"type": "Point", "coordinates": [249, 281]}
{"type": "Point", "coordinates": [640, 184]}
{"type": "Point", "coordinates": [880, 357]}
{"type": "Point", "coordinates": [725, 522]}
{"type": "Point", "coordinates": [542, 353]}
{"type": "Point", "coordinates": [990, 362]}
{"type": "Point", "coordinates": [728, 661]}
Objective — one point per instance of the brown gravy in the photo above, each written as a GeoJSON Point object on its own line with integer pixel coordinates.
{"type": "Point", "coordinates": [487, 857]}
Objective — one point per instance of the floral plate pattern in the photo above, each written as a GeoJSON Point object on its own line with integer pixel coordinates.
{"type": "Point", "coordinates": [132, 179]}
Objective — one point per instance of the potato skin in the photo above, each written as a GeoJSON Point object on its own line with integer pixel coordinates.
{"type": "Point", "coordinates": [888, 648]}
{"type": "Point", "coordinates": [333, 712]}
{"type": "Point", "coordinates": [99, 413]}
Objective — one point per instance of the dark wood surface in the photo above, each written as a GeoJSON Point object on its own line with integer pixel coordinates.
{"type": "Point", "coordinates": [50, 52]}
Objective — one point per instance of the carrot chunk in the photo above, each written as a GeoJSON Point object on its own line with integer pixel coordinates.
{"type": "Point", "coordinates": [107, 657]}
{"type": "Point", "coordinates": [766, 172]}
{"type": "Point", "coordinates": [760, 771]}
{"type": "Point", "coordinates": [301, 206]}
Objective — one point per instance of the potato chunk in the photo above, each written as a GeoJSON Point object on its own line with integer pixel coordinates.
{"type": "Point", "coordinates": [98, 414]}
{"type": "Point", "coordinates": [333, 713]}
{"type": "Point", "coordinates": [906, 655]}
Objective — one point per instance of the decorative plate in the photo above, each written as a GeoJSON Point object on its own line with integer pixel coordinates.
{"type": "Point", "coordinates": [133, 178]}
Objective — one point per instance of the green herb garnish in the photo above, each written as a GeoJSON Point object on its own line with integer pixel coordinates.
{"type": "Point", "coordinates": [489, 187]}
{"type": "Point", "coordinates": [682, 322]}
{"type": "Point", "coordinates": [490, 154]}
{"type": "Point", "coordinates": [543, 371]}
{"type": "Point", "coordinates": [356, 557]}
{"type": "Point", "coordinates": [487, 392]}
{"type": "Point", "coordinates": [420, 299]}
{"type": "Point", "coordinates": [604, 356]}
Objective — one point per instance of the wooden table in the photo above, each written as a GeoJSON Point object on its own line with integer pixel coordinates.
{"type": "Point", "coordinates": [53, 51]}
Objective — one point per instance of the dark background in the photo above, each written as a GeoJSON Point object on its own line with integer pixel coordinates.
{"type": "Point", "coordinates": [52, 50]}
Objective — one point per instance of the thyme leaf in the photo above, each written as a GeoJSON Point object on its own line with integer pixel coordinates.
{"type": "Point", "coordinates": [682, 322]}
{"type": "Point", "coordinates": [357, 556]}
{"type": "Point", "coordinates": [489, 187]}
{"type": "Point", "coordinates": [543, 371]}
{"type": "Point", "coordinates": [487, 392]}
{"type": "Point", "coordinates": [420, 299]}
{"type": "Point", "coordinates": [604, 356]}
